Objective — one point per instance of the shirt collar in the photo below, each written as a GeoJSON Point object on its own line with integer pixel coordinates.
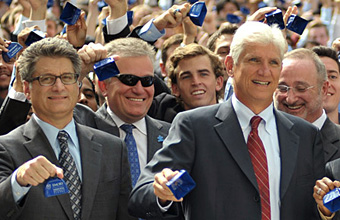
{"type": "Point", "coordinates": [321, 120]}
{"type": "Point", "coordinates": [244, 114]}
{"type": "Point", "coordinates": [51, 132]}
{"type": "Point", "coordinates": [140, 125]}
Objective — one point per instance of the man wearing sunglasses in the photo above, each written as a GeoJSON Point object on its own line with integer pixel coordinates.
{"type": "Point", "coordinates": [301, 91]}
{"type": "Point", "coordinates": [93, 164]}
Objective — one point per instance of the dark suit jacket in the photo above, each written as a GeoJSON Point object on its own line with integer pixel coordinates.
{"type": "Point", "coordinates": [208, 142]}
{"type": "Point", "coordinates": [330, 133]}
{"type": "Point", "coordinates": [106, 179]}
{"type": "Point", "coordinates": [155, 128]}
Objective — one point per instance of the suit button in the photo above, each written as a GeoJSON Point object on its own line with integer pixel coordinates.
{"type": "Point", "coordinates": [256, 198]}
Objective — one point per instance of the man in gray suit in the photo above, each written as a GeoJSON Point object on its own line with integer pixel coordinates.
{"type": "Point", "coordinates": [130, 94]}
{"type": "Point", "coordinates": [302, 88]}
{"type": "Point", "coordinates": [93, 163]}
{"type": "Point", "coordinates": [211, 144]}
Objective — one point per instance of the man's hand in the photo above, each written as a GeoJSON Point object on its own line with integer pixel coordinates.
{"type": "Point", "coordinates": [161, 190]}
{"type": "Point", "coordinates": [76, 34]}
{"type": "Point", "coordinates": [90, 54]}
{"type": "Point", "coordinates": [321, 188]}
{"type": "Point", "coordinates": [36, 171]}
{"type": "Point", "coordinates": [260, 14]}
{"type": "Point", "coordinates": [38, 10]}
{"type": "Point", "coordinates": [172, 17]}
{"type": "Point", "coordinates": [117, 8]}
{"type": "Point", "coordinates": [336, 45]}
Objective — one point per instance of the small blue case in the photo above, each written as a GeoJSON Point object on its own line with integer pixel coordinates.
{"type": "Point", "coordinates": [297, 24]}
{"type": "Point", "coordinates": [34, 36]}
{"type": "Point", "coordinates": [275, 17]}
{"type": "Point", "coordinates": [54, 187]}
{"type": "Point", "coordinates": [70, 14]}
{"type": "Point", "coordinates": [106, 68]}
{"type": "Point", "coordinates": [13, 49]}
{"type": "Point", "coordinates": [197, 13]}
{"type": "Point", "coordinates": [181, 184]}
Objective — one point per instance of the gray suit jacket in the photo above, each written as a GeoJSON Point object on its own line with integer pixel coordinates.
{"type": "Point", "coordinates": [106, 180]}
{"type": "Point", "coordinates": [208, 142]}
{"type": "Point", "coordinates": [330, 133]}
{"type": "Point", "coordinates": [155, 128]}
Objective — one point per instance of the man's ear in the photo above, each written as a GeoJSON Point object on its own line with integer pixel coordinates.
{"type": "Point", "coordinates": [175, 90]}
{"type": "Point", "coordinates": [324, 89]}
{"type": "Point", "coordinates": [27, 91]}
{"type": "Point", "coordinates": [163, 70]}
{"type": "Point", "coordinates": [219, 83]}
{"type": "Point", "coordinates": [229, 64]}
{"type": "Point", "coordinates": [102, 87]}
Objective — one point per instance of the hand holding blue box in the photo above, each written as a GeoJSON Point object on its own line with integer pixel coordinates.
{"type": "Point", "coordinates": [181, 184]}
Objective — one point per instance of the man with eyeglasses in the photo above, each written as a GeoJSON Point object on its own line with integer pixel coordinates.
{"type": "Point", "coordinates": [301, 91]}
{"type": "Point", "coordinates": [93, 164]}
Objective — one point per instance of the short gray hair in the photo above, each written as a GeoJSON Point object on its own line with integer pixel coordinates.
{"type": "Point", "coordinates": [48, 47]}
{"type": "Point", "coordinates": [259, 33]}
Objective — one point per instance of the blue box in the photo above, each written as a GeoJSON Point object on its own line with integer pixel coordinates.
{"type": "Point", "coordinates": [130, 17]}
{"type": "Point", "coordinates": [192, 1]}
{"type": "Point", "coordinates": [332, 200]}
{"type": "Point", "coordinates": [197, 13]}
{"type": "Point", "coordinates": [54, 187]}
{"type": "Point", "coordinates": [245, 10]}
{"type": "Point", "coordinates": [297, 24]}
{"type": "Point", "coordinates": [101, 4]}
{"type": "Point", "coordinates": [234, 19]}
{"type": "Point", "coordinates": [70, 14]}
{"type": "Point", "coordinates": [275, 17]}
{"type": "Point", "coordinates": [181, 184]}
{"type": "Point", "coordinates": [106, 68]}
{"type": "Point", "coordinates": [13, 49]}
{"type": "Point", "coordinates": [34, 36]}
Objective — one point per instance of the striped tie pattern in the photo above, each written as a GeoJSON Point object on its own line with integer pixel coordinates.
{"type": "Point", "coordinates": [259, 161]}
{"type": "Point", "coordinates": [71, 176]}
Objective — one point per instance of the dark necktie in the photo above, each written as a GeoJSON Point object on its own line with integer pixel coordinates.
{"type": "Point", "coordinates": [71, 176]}
{"type": "Point", "coordinates": [132, 152]}
{"type": "Point", "coordinates": [259, 160]}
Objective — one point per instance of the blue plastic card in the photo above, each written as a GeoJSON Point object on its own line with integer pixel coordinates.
{"type": "Point", "coordinates": [106, 68]}
{"type": "Point", "coordinates": [13, 49]}
{"type": "Point", "coordinates": [70, 14]}
{"type": "Point", "coordinates": [192, 1]}
{"type": "Point", "coordinates": [54, 187]}
{"type": "Point", "coordinates": [50, 3]}
{"type": "Point", "coordinates": [297, 24]}
{"type": "Point", "coordinates": [275, 17]}
{"type": "Point", "coordinates": [34, 36]}
{"type": "Point", "coordinates": [197, 13]}
{"type": "Point", "coordinates": [181, 184]}
{"type": "Point", "coordinates": [245, 10]}
{"type": "Point", "coordinates": [332, 200]}
{"type": "Point", "coordinates": [130, 17]}
{"type": "Point", "coordinates": [234, 19]}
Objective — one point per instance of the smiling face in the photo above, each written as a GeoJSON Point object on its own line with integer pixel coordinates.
{"type": "Point", "coordinates": [196, 82]}
{"type": "Point", "coordinates": [255, 75]}
{"type": "Point", "coordinates": [130, 103]}
{"type": "Point", "coordinates": [5, 73]}
{"type": "Point", "coordinates": [300, 73]}
{"type": "Point", "coordinates": [333, 95]}
{"type": "Point", "coordinates": [53, 104]}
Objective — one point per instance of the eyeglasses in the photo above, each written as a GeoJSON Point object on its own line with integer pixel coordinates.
{"type": "Point", "coordinates": [297, 90]}
{"type": "Point", "coordinates": [132, 80]}
{"type": "Point", "coordinates": [49, 80]}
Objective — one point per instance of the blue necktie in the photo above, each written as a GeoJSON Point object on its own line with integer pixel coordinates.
{"type": "Point", "coordinates": [70, 174]}
{"type": "Point", "coordinates": [132, 152]}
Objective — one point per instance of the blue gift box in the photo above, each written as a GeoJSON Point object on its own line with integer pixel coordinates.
{"type": "Point", "coordinates": [234, 19]}
{"type": "Point", "coordinates": [130, 17]}
{"type": "Point", "coordinates": [297, 24]}
{"type": "Point", "coordinates": [181, 184]}
{"type": "Point", "coordinates": [245, 10]}
{"type": "Point", "coordinates": [13, 49]}
{"type": "Point", "coordinates": [54, 187]}
{"type": "Point", "coordinates": [332, 200]}
{"type": "Point", "coordinates": [197, 13]}
{"type": "Point", "coordinates": [106, 68]}
{"type": "Point", "coordinates": [70, 14]}
{"type": "Point", "coordinates": [275, 17]}
{"type": "Point", "coordinates": [34, 36]}
{"type": "Point", "coordinates": [192, 1]}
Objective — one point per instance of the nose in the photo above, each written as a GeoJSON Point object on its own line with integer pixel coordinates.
{"type": "Point", "coordinates": [196, 80]}
{"type": "Point", "coordinates": [83, 99]}
{"type": "Point", "coordinates": [264, 69]}
{"type": "Point", "coordinates": [138, 88]}
{"type": "Point", "coordinates": [58, 85]}
{"type": "Point", "coordinates": [291, 97]}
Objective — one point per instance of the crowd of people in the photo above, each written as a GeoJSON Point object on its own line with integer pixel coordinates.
{"type": "Point", "coordinates": [250, 111]}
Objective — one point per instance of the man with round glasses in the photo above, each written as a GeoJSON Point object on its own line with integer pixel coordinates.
{"type": "Point", "coordinates": [301, 91]}
{"type": "Point", "coordinates": [93, 164]}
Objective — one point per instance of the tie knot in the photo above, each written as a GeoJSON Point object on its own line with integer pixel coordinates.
{"type": "Point", "coordinates": [62, 136]}
{"type": "Point", "coordinates": [127, 128]}
{"type": "Point", "coordinates": [255, 121]}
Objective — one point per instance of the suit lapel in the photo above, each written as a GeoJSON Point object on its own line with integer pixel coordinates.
{"type": "Point", "coordinates": [106, 123]}
{"type": "Point", "coordinates": [289, 147]}
{"type": "Point", "coordinates": [91, 152]}
{"type": "Point", "coordinates": [153, 132]}
{"type": "Point", "coordinates": [330, 136]}
{"type": "Point", "coordinates": [37, 144]}
{"type": "Point", "coordinates": [234, 141]}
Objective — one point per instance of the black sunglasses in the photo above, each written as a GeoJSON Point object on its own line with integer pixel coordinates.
{"type": "Point", "coordinates": [132, 80]}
